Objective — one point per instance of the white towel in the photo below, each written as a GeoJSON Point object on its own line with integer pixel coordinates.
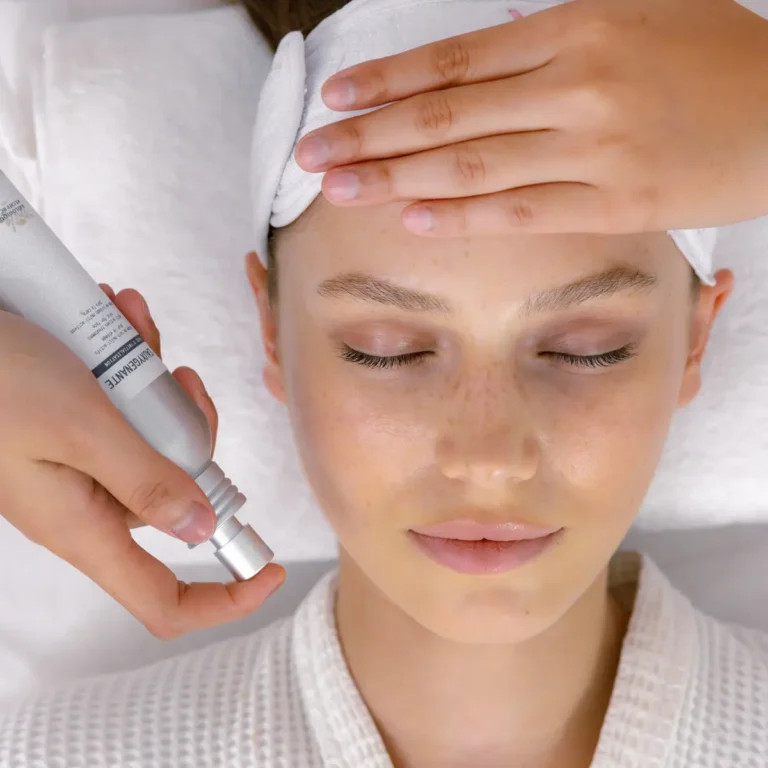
{"type": "Point", "coordinates": [291, 105]}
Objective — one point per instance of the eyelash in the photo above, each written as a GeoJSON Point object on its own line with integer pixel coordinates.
{"type": "Point", "coordinates": [604, 360]}
{"type": "Point", "coordinates": [372, 361]}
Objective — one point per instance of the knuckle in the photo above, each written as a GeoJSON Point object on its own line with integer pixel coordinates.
{"type": "Point", "coordinates": [631, 205]}
{"type": "Point", "coordinates": [81, 501]}
{"type": "Point", "coordinates": [596, 31]}
{"type": "Point", "coordinates": [384, 179]}
{"type": "Point", "coordinates": [148, 497]}
{"type": "Point", "coordinates": [451, 61]}
{"type": "Point", "coordinates": [376, 81]}
{"type": "Point", "coordinates": [352, 137]}
{"type": "Point", "coordinates": [434, 114]}
{"type": "Point", "coordinates": [593, 89]}
{"type": "Point", "coordinates": [163, 629]}
{"type": "Point", "coordinates": [518, 212]}
{"type": "Point", "coordinates": [599, 102]}
{"type": "Point", "coordinates": [74, 440]}
{"type": "Point", "coordinates": [168, 624]}
{"type": "Point", "coordinates": [469, 168]}
{"type": "Point", "coordinates": [611, 144]}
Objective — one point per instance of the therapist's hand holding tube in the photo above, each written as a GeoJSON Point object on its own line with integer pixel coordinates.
{"type": "Point", "coordinates": [590, 116]}
{"type": "Point", "coordinates": [75, 478]}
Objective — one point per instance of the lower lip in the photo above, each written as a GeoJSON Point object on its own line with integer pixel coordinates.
{"type": "Point", "coordinates": [483, 557]}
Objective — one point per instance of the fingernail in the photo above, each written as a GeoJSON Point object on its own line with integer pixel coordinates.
{"type": "Point", "coordinates": [344, 185]}
{"type": "Point", "coordinates": [419, 219]}
{"type": "Point", "coordinates": [315, 151]}
{"type": "Point", "coordinates": [197, 524]}
{"type": "Point", "coordinates": [145, 307]}
{"type": "Point", "coordinates": [339, 93]}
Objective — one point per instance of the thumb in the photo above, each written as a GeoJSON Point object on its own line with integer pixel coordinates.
{"type": "Point", "coordinates": [150, 486]}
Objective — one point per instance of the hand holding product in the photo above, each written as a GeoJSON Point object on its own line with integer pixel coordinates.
{"type": "Point", "coordinates": [89, 451]}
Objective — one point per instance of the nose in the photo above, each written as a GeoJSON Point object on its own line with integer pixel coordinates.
{"type": "Point", "coordinates": [488, 440]}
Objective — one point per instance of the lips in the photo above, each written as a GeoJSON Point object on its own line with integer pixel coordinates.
{"type": "Point", "coordinates": [472, 530]}
{"type": "Point", "coordinates": [471, 547]}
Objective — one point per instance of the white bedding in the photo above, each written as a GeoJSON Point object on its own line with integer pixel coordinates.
{"type": "Point", "coordinates": [159, 200]}
{"type": "Point", "coordinates": [22, 23]}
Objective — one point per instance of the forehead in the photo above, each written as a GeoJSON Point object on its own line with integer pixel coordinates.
{"type": "Point", "coordinates": [330, 240]}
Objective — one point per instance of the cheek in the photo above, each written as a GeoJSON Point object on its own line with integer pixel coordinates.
{"type": "Point", "coordinates": [360, 443]}
{"type": "Point", "coordinates": [603, 435]}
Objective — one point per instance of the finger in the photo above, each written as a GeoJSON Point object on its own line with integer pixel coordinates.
{"type": "Point", "coordinates": [546, 208]}
{"type": "Point", "coordinates": [101, 444]}
{"type": "Point", "coordinates": [81, 523]}
{"type": "Point", "coordinates": [194, 387]}
{"type": "Point", "coordinates": [435, 119]}
{"type": "Point", "coordinates": [136, 310]}
{"type": "Point", "coordinates": [108, 290]}
{"type": "Point", "coordinates": [478, 167]}
{"type": "Point", "coordinates": [500, 51]}
{"type": "Point", "coordinates": [150, 591]}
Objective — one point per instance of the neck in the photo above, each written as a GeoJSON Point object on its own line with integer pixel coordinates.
{"type": "Point", "coordinates": [441, 703]}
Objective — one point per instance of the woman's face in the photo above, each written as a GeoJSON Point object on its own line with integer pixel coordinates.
{"type": "Point", "coordinates": [518, 378]}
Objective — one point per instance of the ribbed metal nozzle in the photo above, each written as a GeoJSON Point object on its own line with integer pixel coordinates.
{"type": "Point", "coordinates": [238, 547]}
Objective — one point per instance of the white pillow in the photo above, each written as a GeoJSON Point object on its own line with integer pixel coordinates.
{"type": "Point", "coordinates": [713, 470]}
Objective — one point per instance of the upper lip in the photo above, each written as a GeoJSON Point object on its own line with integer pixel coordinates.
{"type": "Point", "coordinates": [473, 530]}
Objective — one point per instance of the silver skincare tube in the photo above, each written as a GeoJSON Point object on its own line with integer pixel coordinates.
{"type": "Point", "coordinates": [43, 282]}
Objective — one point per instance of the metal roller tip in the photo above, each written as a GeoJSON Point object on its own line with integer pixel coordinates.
{"type": "Point", "coordinates": [240, 549]}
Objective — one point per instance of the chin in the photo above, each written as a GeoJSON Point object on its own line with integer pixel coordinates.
{"type": "Point", "coordinates": [483, 617]}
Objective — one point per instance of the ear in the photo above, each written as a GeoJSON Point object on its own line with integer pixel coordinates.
{"type": "Point", "coordinates": [273, 373]}
{"type": "Point", "coordinates": [711, 300]}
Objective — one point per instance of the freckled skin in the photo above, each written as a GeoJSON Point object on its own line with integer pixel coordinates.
{"type": "Point", "coordinates": [488, 424]}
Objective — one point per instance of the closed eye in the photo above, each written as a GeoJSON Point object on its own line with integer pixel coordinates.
{"type": "Point", "coordinates": [374, 361]}
{"type": "Point", "coordinates": [603, 360]}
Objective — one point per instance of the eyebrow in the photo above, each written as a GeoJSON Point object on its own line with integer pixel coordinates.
{"type": "Point", "coordinates": [364, 287]}
{"type": "Point", "coordinates": [369, 288]}
{"type": "Point", "coordinates": [618, 279]}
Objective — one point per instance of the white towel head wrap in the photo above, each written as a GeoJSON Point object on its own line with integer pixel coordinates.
{"type": "Point", "coordinates": [291, 106]}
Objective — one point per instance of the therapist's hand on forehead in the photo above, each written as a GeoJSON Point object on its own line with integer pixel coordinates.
{"type": "Point", "coordinates": [593, 116]}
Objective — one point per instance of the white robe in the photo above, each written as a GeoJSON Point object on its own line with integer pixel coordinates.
{"type": "Point", "coordinates": [690, 692]}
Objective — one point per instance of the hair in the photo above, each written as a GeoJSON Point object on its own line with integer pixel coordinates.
{"type": "Point", "coordinates": [276, 18]}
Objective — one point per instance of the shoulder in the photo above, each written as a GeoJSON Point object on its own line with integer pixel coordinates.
{"type": "Point", "coordinates": [726, 718]}
{"type": "Point", "coordinates": [200, 709]}
{"type": "Point", "coordinates": [691, 690]}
